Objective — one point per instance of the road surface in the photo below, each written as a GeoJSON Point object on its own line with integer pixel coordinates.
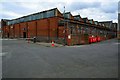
{"type": "Point", "coordinates": [27, 60]}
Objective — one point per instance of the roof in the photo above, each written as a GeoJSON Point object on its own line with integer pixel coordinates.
{"type": "Point", "coordinates": [67, 14]}
{"type": "Point", "coordinates": [96, 22]}
{"type": "Point", "coordinates": [35, 13]}
{"type": "Point", "coordinates": [77, 16]}
{"type": "Point", "coordinates": [85, 19]}
{"type": "Point", "coordinates": [91, 21]}
{"type": "Point", "coordinates": [106, 22]}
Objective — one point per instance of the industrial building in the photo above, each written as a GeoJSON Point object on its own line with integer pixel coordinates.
{"type": "Point", "coordinates": [63, 28]}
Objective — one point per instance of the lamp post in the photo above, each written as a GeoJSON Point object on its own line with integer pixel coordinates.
{"type": "Point", "coordinates": [64, 28]}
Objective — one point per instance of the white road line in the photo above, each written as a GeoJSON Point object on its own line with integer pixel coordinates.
{"type": "Point", "coordinates": [8, 39]}
{"type": "Point", "coordinates": [3, 54]}
{"type": "Point", "coordinates": [116, 43]}
{"type": "Point", "coordinates": [78, 46]}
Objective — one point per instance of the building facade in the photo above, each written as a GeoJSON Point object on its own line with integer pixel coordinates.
{"type": "Point", "coordinates": [53, 25]}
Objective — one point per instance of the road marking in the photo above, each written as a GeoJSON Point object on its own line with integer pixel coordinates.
{"type": "Point", "coordinates": [8, 39]}
{"type": "Point", "coordinates": [116, 43]}
{"type": "Point", "coordinates": [3, 54]}
{"type": "Point", "coordinates": [77, 46]}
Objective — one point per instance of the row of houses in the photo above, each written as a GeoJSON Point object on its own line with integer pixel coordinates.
{"type": "Point", "coordinates": [61, 27]}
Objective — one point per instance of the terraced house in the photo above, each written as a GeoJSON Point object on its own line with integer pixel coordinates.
{"type": "Point", "coordinates": [61, 27]}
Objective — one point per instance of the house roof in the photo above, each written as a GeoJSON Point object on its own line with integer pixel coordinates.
{"type": "Point", "coordinates": [85, 20]}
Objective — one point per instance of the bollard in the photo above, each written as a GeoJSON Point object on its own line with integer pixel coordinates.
{"type": "Point", "coordinates": [34, 39]}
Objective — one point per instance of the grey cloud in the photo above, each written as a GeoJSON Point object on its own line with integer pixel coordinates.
{"type": "Point", "coordinates": [111, 8]}
{"type": "Point", "coordinates": [13, 6]}
{"type": "Point", "coordinates": [119, 7]}
{"type": "Point", "coordinates": [82, 5]}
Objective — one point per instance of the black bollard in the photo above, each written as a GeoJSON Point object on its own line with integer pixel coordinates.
{"type": "Point", "coordinates": [34, 39]}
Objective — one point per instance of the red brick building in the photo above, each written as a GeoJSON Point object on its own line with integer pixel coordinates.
{"type": "Point", "coordinates": [53, 25]}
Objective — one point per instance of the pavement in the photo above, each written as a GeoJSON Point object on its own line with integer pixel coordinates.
{"type": "Point", "coordinates": [49, 44]}
{"type": "Point", "coordinates": [21, 59]}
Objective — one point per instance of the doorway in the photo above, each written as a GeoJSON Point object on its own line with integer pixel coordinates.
{"type": "Point", "coordinates": [24, 35]}
{"type": "Point", "coordinates": [8, 35]}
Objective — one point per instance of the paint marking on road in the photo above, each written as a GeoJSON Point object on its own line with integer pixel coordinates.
{"type": "Point", "coordinates": [77, 46]}
{"type": "Point", "coordinates": [8, 39]}
{"type": "Point", "coordinates": [3, 54]}
{"type": "Point", "coordinates": [116, 43]}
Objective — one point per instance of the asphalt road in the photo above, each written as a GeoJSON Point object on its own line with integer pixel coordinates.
{"type": "Point", "coordinates": [27, 60]}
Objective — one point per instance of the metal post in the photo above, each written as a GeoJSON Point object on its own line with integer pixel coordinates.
{"type": "Point", "coordinates": [64, 28]}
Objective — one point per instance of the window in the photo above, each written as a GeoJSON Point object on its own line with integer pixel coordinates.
{"type": "Point", "coordinates": [27, 18]}
{"type": "Point", "coordinates": [73, 30]}
{"type": "Point", "coordinates": [40, 15]}
{"type": "Point", "coordinates": [21, 20]}
{"type": "Point", "coordinates": [8, 23]}
{"type": "Point", "coordinates": [12, 22]}
{"type": "Point", "coordinates": [17, 21]}
{"type": "Point", "coordinates": [37, 16]}
{"type": "Point", "coordinates": [33, 17]}
{"type": "Point", "coordinates": [79, 29]}
{"type": "Point", "coordinates": [96, 23]}
{"type": "Point", "coordinates": [86, 30]}
{"type": "Point", "coordinates": [60, 23]}
{"type": "Point", "coordinates": [45, 15]}
{"type": "Point", "coordinates": [82, 30]}
{"type": "Point", "coordinates": [94, 31]}
{"type": "Point", "coordinates": [77, 18]}
{"type": "Point", "coordinates": [91, 22]}
{"type": "Point", "coordinates": [50, 13]}
{"type": "Point", "coordinates": [67, 16]}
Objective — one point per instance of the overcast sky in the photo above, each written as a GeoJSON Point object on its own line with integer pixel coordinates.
{"type": "Point", "coordinates": [99, 10]}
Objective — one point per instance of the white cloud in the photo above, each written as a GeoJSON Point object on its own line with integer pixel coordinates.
{"type": "Point", "coordinates": [11, 14]}
{"type": "Point", "coordinates": [96, 13]}
{"type": "Point", "coordinates": [115, 20]}
{"type": "Point", "coordinates": [119, 7]}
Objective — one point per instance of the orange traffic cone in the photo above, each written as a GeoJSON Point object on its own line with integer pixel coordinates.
{"type": "Point", "coordinates": [53, 43]}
